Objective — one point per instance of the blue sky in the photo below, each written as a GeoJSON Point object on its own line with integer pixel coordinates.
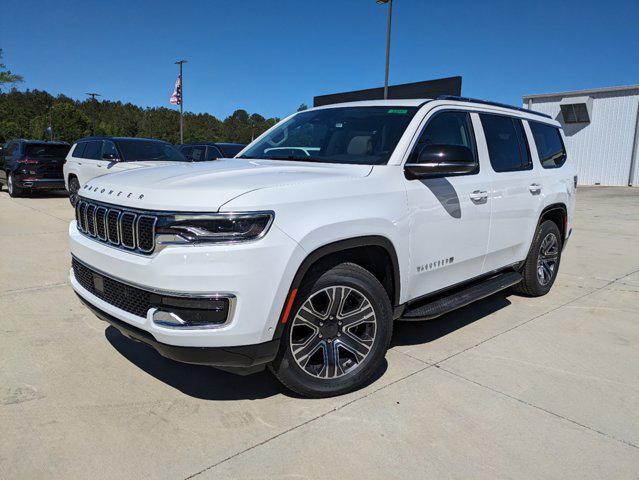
{"type": "Point", "coordinates": [270, 56]}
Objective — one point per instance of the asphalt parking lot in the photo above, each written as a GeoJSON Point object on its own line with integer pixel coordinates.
{"type": "Point", "coordinates": [510, 387]}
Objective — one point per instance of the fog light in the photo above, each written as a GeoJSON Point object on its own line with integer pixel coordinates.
{"type": "Point", "coordinates": [192, 312]}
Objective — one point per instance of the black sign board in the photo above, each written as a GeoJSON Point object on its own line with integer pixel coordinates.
{"type": "Point", "coordinates": [427, 89]}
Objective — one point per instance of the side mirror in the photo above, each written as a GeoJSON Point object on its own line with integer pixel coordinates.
{"type": "Point", "coordinates": [112, 157]}
{"type": "Point", "coordinates": [440, 161]}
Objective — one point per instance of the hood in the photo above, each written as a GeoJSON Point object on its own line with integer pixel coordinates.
{"type": "Point", "coordinates": [206, 186]}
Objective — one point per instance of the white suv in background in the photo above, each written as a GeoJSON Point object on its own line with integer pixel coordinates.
{"type": "Point", "coordinates": [95, 156]}
{"type": "Point", "coordinates": [301, 252]}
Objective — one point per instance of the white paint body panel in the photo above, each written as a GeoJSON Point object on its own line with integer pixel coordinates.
{"type": "Point", "coordinates": [317, 204]}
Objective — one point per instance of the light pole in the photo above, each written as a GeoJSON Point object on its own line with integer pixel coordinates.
{"type": "Point", "coordinates": [181, 99]}
{"type": "Point", "coordinates": [388, 38]}
{"type": "Point", "coordinates": [95, 101]}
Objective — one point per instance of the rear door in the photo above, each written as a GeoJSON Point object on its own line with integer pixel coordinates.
{"type": "Point", "coordinates": [515, 190]}
{"type": "Point", "coordinates": [92, 163]}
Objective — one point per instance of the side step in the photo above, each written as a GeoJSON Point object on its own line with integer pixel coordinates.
{"type": "Point", "coordinates": [460, 298]}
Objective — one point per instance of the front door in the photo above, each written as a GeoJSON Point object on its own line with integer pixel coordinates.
{"type": "Point", "coordinates": [449, 216]}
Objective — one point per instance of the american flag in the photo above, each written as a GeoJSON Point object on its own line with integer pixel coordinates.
{"type": "Point", "coordinates": [176, 98]}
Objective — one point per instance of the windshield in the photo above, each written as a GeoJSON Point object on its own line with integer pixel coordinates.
{"type": "Point", "coordinates": [359, 135]}
{"type": "Point", "coordinates": [145, 150]}
{"type": "Point", "coordinates": [47, 151]}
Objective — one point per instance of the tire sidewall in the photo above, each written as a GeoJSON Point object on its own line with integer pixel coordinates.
{"type": "Point", "coordinates": [294, 377]}
{"type": "Point", "coordinates": [544, 229]}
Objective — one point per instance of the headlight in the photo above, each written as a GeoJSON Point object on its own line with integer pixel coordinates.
{"type": "Point", "coordinates": [219, 227]}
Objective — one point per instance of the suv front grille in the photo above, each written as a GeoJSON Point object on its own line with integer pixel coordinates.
{"type": "Point", "coordinates": [127, 229]}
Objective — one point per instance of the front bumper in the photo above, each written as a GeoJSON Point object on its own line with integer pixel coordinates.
{"type": "Point", "coordinates": [257, 274]}
{"type": "Point", "coordinates": [245, 356]}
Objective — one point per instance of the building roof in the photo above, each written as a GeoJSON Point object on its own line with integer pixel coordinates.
{"type": "Point", "coordinates": [583, 92]}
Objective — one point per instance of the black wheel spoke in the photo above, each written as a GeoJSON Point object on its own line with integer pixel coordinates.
{"type": "Point", "coordinates": [357, 346]}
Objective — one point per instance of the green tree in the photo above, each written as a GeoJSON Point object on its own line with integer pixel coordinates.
{"type": "Point", "coordinates": [302, 107]}
{"type": "Point", "coordinates": [68, 122]}
{"type": "Point", "coordinates": [6, 76]}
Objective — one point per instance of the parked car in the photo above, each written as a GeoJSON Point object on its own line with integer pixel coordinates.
{"type": "Point", "coordinates": [95, 156]}
{"type": "Point", "coordinates": [198, 152]}
{"type": "Point", "coordinates": [27, 165]}
{"type": "Point", "coordinates": [406, 210]}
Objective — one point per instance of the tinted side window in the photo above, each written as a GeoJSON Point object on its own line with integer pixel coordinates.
{"type": "Point", "coordinates": [447, 128]}
{"type": "Point", "coordinates": [93, 150]}
{"type": "Point", "coordinates": [550, 145]}
{"type": "Point", "coordinates": [506, 141]}
{"type": "Point", "coordinates": [213, 153]}
{"type": "Point", "coordinates": [198, 153]}
{"type": "Point", "coordinates": [109, 149]}
{"type": "Point", "coordinates": [78, 151]}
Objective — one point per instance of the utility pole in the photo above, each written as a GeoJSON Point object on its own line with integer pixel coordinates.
{"type": "Point", "coordinates": [388, 41]}
{"type": "Point", "coordinates": [181, 99]}
{"type": "Point", "coordinates": [95, 109]}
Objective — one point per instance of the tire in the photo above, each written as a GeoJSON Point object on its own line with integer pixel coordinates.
{"type": "Point", "coordinates": [74, 188]}
{"type": "Point", "coordinates": [14, 190]}
{"type": "Point", "coordinates": [542, 264]}
{"type": "Point", "coordinates": [314, 330]}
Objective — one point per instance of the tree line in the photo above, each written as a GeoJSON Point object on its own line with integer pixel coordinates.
{"type": "Point", "coordinates": [27, 114]}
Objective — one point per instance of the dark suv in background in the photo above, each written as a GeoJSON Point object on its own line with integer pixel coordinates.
{"type": "Point", "coordinates": [198, 152]}
{"type": "Point", "coordinates": [27, 165]}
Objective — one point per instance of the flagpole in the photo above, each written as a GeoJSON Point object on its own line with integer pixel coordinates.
{"type": "Point", "coordinates": [180, 62]}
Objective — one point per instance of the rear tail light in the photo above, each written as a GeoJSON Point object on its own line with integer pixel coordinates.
{"type": "Point", "coordinates": [27, 160]}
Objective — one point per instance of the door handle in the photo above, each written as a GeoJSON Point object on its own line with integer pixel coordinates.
{"type": "Point", "coordinates": [535, 188]}
{"type": "Point", "coordinates": [479, 196]}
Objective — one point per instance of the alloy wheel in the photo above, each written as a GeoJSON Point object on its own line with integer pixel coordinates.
{"type": "Point", "coordinates": [547, 259]}
{"type": "Point", "coordinates": [333, 332]}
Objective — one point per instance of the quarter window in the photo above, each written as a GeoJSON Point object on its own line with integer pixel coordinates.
{"type": "Point", "coordinates": [550, 146]}
{"type": "Point", "coordinates": [78, 151]}
{"type": "Point", "coordinates": [447, 128]}
{"type": "Point", "coordinates": [507, 145]}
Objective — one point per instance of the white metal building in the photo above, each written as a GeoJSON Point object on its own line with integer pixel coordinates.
{"type": "Point", "coordinates": [602, 131]}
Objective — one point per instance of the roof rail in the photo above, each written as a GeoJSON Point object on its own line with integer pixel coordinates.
{"type": "Point", "coordinates": [494, 104]}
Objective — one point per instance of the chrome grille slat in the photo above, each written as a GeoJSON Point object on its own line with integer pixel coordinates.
{"type": "Point", "coordinates": [113, 236]}
{"type": "Point", "coordinates": [90, 216]}
{"type": "Point", "coordinates": [145, 237]}
{"type": "Point", "coordinates": [100, 223]}
{"type": "Point", "coordinates": [127, 230]}
{"type": "Point", "coordinates": [118, 227]}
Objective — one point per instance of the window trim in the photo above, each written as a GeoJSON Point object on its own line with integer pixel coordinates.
{"type": "Point", "coordinates": [473, 138]}
{"type": "Point", "coordinates": [512, 118]}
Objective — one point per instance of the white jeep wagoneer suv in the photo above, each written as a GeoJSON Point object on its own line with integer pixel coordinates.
{"type": "Point", "coordinates": [300, 253]}
{"type": "Point", "coordinates": [96, 156]}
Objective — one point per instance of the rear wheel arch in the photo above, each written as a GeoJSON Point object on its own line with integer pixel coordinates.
{"type": "Point", "coordinates": [557, 213]}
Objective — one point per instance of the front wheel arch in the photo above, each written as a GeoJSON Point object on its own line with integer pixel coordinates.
{"type": "Point", "coordinates": [333, 253]}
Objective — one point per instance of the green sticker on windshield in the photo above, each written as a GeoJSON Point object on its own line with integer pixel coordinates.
{"type": "Point", "coordinates": [398, 111]}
